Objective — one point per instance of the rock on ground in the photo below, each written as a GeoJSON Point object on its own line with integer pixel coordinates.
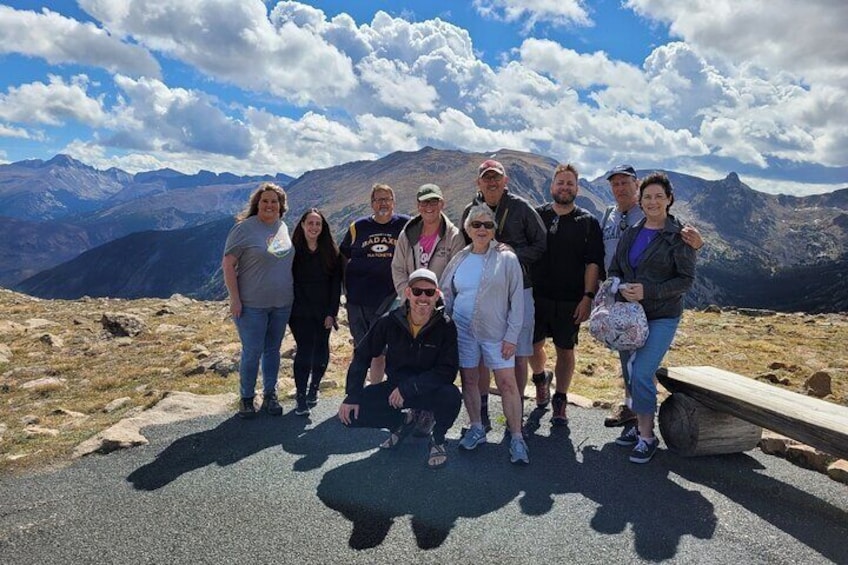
{"type": "Point", "coordinates": [174, 407]}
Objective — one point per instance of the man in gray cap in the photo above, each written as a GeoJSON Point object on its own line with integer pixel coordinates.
{"type": "Point", "coordinates": [421, 365]}
{"type": "Point", "coordinates": [625, 213]}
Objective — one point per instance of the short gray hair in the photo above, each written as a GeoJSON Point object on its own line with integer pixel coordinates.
{"type": "Point", "coordinates": [475, 212]}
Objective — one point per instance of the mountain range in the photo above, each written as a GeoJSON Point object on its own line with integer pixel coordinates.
{"type": "Point", "coordinates": [70, 230]}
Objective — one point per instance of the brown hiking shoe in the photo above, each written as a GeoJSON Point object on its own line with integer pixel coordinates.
{"type": "Point", "coordinates": [558, 418]}
{"type": "Point", "coordinates": [543, 388]}
{"type": "Point", "coordinates": [621, 416]}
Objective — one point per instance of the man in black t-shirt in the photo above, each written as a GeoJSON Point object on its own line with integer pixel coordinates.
{"type": "Point", "coordinates": [564, 282]}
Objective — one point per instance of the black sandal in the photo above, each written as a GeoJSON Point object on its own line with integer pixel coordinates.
{"type": "Point", "coordinates": [399, 434]}
{"type": "Point", "coordinates": [437, 451]}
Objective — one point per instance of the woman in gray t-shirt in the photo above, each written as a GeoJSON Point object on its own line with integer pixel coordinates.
{"type": "Point", "coordinates": [257, 268]}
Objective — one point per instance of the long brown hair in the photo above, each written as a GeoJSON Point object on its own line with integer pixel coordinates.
{"type": "Point", "coordinates": [326, 244]}
{"type": "Point", "coordinates": [252, 207]}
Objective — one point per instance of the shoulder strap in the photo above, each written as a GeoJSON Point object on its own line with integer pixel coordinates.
{"type": "Point", "coordinates": [352, 232]}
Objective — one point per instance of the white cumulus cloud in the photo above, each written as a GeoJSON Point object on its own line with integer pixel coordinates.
{"type": "Point", "coordinates": [53, 103]}
{"type": "Point", "coordinates": [805, 38]}
{"type": "Point", "coordinates": [177, 119]}
{"type": "Point", "coordinates": [556, 12]}
{"type": "Point", "coordinates": [237, 42]}
{"type": "Point", "coordinates": [59, 39]}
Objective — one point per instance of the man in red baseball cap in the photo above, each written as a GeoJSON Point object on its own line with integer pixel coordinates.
{"type": "Point", "coordinates": [520, 227]}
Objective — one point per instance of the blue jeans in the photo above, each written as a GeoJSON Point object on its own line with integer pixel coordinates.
{"type": "Point", "coordinates": [261, 332]}
{"type": "Point", "coordinates": [640, 366]}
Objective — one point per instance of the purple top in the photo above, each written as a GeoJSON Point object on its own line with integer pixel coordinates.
{"type": "Point", "coordinates": [640, 244]}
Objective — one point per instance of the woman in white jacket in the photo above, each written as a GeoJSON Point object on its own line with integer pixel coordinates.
{"type": "Point", "coordinates": [483, 292]}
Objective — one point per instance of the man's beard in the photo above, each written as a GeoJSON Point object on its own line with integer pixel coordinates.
{"type": "Point", "coordinates": [565, 198]}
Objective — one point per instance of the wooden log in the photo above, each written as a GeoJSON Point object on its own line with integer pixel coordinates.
{"type": "Point", "coordinates": [819, 424]}
{"type": "Point", "coordinates": [691, 429]}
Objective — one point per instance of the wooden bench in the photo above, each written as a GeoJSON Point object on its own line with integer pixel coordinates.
{"type": "Point", "coordinates": [715, 411]}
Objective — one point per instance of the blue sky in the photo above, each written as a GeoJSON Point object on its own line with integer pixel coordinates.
{"type": "Point", "coordinates": [703, 87]}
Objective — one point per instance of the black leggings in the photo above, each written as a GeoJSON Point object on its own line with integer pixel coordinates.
{"type": "Point", "coordinates": [376, 412]}
{"type": "Point", "coordinates": [313, 351]}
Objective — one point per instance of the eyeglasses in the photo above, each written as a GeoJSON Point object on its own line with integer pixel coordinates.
{"type": "Point", "coordinates": [432, 203]}
{"type": "Point", "coordinates": [554, 225]}
{"type": "Point", "coordinates": [622, 224]}
{"type": "Point", "coordinates": [430, 292]}
{"type": "Point", "coordinates": [477, 225]}
{"type": "Point", "coordinates": [382, 200]}
{"type": "Point", "coordinates": [492, 176]}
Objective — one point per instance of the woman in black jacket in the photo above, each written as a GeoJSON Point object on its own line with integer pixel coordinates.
{"type": "Point", "coordinates": [317, 290]}
{"type": "Point", "coordinates": [658, 269]}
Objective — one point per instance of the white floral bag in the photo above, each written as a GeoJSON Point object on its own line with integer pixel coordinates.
{"type": "Point", "coordinates": [621, 326]}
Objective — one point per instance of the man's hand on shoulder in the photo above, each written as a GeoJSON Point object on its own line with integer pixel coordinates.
{"type": "Point", "coordinates": [692, 237]}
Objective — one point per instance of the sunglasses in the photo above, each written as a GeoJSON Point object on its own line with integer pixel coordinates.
{"type": "Point", "coordinates": [488, 225]}
{"type": "Point", "coordinates": [430, 292]}
{"type": "Point", "coordinates": [622, 224]}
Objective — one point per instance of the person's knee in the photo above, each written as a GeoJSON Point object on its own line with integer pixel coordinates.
{"type": "Point", "coordinates": [506, 384]}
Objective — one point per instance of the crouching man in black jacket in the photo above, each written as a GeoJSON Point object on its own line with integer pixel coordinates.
{"type": "Point", "coordinates": [421, 365]}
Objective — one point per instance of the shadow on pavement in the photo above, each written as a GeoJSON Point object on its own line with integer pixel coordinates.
{"type": "Point", "coordinates": [824, 527]}
{"type": "Point", "coordinates": [374, 491]}
{"type": "Point", "coordinates": [235, 439]}
{"type": "Point", "coordinates": [658, 510]}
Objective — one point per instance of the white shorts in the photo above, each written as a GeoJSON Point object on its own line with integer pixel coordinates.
{"type": "Point", "coordinates": [471, 350]}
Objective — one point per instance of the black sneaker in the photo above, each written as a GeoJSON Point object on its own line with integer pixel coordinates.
{"type": "Point", "coordinates": [543, 388]}
{"type": "Point", "coordinates": [246, 410]}
{"type": "Point", "coordinates": [302, 408]}
{"type": "Point", "coordinates": [629, 436]}
{"type": "Point", "coordinates": [312, 397]}
{"type": "Point", "coordinates": [271, 405]}
{"type": "Point", "coordinates": [644, 450]}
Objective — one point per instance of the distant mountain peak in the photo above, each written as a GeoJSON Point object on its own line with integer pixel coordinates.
{"type": "Point", "coordinates": [62, 160]}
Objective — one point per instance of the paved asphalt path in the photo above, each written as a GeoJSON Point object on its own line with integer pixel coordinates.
{"type": "Point", "coordinates": [297, 490]}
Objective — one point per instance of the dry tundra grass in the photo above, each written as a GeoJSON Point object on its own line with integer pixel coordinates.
{"type": "Point", "coordinates": [59, 371]}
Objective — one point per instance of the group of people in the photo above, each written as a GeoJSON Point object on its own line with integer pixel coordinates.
{"type": "Point", "coordinates": [426, 299]}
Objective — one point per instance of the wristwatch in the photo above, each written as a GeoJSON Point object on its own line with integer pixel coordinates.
{"type": "Point", "coordinates": [590, 294]}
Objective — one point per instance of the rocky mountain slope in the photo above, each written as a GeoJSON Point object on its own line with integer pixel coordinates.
{"type": "Point", "coordinates": [762, 250]}
{"type": "Point", "coordinates": [52, 211]}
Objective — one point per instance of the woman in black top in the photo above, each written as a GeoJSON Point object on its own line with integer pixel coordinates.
{"type": "Point", "coordinates": [317, 291]}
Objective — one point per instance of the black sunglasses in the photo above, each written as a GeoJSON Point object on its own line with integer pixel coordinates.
{"type": "Point", "coordinates": [622, 224]}
{"type": "Point", "coordinates": [426, 291]}
{"type": "Point", "coordinates": [488, 225]}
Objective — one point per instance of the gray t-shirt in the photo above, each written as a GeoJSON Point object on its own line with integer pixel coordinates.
{"type": "Point", "coordinates": [264, 280]}
{"type": "Point", "coordinates": [611, 227]}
